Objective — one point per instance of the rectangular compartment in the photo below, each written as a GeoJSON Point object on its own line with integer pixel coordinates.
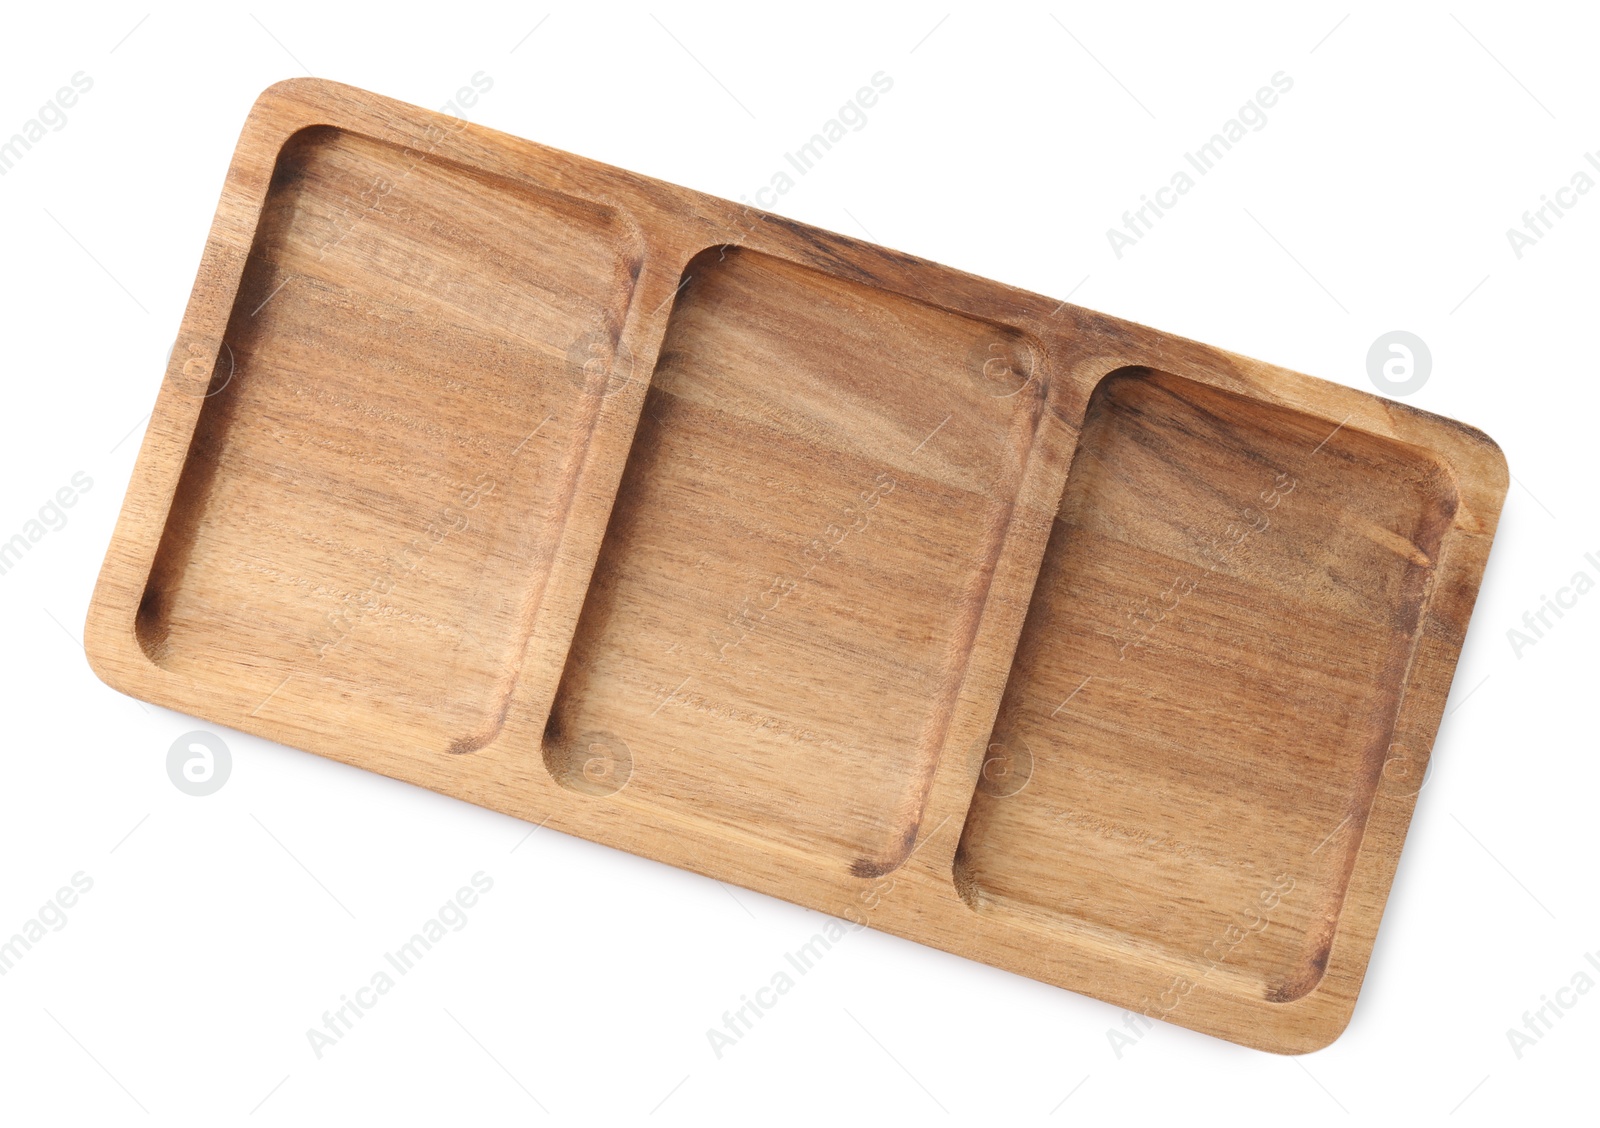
{"type": "Point", "coordinates": [775, 643]}
{"type": "Point", "coordinates": [1207, 682]}
{"type": "Point", "coordinates": [383, 461]}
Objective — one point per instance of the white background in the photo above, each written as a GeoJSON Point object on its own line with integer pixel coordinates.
{"type": "Point", "coordinates": [219, 929]}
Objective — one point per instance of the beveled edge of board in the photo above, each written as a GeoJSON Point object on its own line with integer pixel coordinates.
{"type": "Point", "coordinates": [1078, 348]}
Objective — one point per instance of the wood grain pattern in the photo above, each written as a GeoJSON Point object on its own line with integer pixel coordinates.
{"type": "Point", "coordinates": [809, 610]}
{"type": "Point", "coordinates": [1214, 551]}
{"type": "Point", "coordinates": [1054, 641]}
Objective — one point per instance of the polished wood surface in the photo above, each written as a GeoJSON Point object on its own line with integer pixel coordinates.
{"type": "Point", "coordinates": [1044, 638]}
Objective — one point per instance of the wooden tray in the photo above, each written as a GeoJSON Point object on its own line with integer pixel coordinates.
{"type": "Point", "coordinates": [1047, 639]}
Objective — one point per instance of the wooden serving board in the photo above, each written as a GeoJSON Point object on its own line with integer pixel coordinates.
{"type": "Point", "coordinates": [1044, 638]}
